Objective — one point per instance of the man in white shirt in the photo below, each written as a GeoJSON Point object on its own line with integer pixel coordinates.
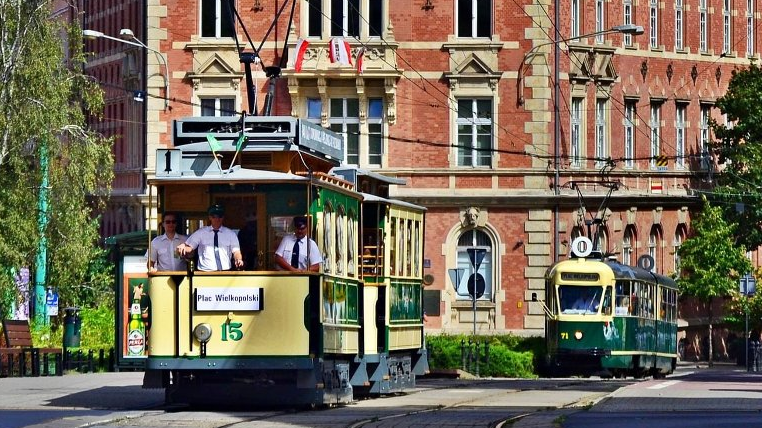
{"type": "Point", "coordinates": [163, 255]}
{"type": "Point", "coordinates": [215, 243]}
{"type": "Point", "coordinates": [295, 248]}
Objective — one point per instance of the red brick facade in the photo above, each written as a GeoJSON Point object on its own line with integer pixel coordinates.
{"type": "Point", "coordinates": [431, 66]}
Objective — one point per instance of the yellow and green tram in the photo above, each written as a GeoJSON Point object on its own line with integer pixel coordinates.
{"type": "Point", "coordinates": [609, 319]}
{"type": "Point", "coordinates": [308, 338]}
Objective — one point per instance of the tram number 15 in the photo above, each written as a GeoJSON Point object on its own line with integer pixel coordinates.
{"type": "Point", "coordinates": [564, 335]}
{"type": "Point", "coordinates": [231, 331]}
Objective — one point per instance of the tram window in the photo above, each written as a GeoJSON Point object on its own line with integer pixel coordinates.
{"type": "Point", "coordinates": [409, 248]}
{"type": "Point", "coordinates": [401, 238]}
{"type": "Point", "coordinates": [635, 299]}
{"type": "Point", "coordinates": [393, 247]}
{"type": "Point", "coordinates": [606, 307]}
{"type": "Point", "coordinates": [576, 299]}
{"type": "Point", "coordinates": [623, 304]}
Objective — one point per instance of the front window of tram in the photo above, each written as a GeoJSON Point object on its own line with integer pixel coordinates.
{"type": "Point", "coordinates": [583, 299]}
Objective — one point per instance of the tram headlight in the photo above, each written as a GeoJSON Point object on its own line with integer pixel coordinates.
{"type": "Point", "coordinates": [578, 335]}
{"type": "Point", "coordinates": [202, 332]}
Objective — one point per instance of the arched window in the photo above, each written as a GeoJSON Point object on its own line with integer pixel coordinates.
{"type": "Point", "coordinates": [475, 239]}
{"type": "Point", "coordinates": [576, 232]}
{"type": "Point", "coordinates": [654, 242]}
{"type": "Point", "coordinates": [603, 239]}
{"type": "Point", "coordinates": [628, 245]}
{"type": "Point", "coordinates": [680, 234]}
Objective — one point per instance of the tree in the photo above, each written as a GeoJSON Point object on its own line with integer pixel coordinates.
{"type": "Point", "coordinates": [738, 146]}
{"type": "Point", "coordinates": [711, 261]}
{"type": "Point", "coordinates": [44, 99]}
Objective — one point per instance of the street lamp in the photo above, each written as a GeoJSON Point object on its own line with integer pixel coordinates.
{"type": "Point", "coordinates": [126, 36]}
{"type": "Point", "coordinates": [631, 29]}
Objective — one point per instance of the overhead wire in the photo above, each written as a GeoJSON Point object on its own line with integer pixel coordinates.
{"type": "Point", "coordinates": [450, 98]}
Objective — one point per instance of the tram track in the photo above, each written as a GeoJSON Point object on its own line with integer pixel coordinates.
{"type": "Point", "coordinates": [477, 403]}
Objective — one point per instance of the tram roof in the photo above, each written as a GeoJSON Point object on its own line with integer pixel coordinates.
{"type": "Point", "coordinates": [235, 174]}
{"type": "Point", "coordinates": [367, 197]}
{"type": "Point", "coordinates": [351, 174]}
{"type": "Point", "coordinates": [260, 133]}
{"type": "Point", "coordinates": [622, 271]}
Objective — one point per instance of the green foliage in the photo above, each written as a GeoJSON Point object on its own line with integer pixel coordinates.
{"type": "Point", "coordinates": [97, 329]}
{"type": "Point", "coordinates": [504, 362]}
{"type": "Point", "coordinates": [737, 308]}
{"type": "Point", "coordinates": [444, 351]}
{"type": "Point", "coordinates": [739, 150]}
{"type": "Point", "coordinates": [711, 261]}
{"type": "Point", "coordinates": [98, 326]}
{"type": "Point", "coordinates": [42, 94]}
{"type": "Point", "coordinates": [509, 355]}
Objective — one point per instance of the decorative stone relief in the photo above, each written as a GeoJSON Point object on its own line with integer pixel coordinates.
{"type": "Point", "coordinates": [470, 217]}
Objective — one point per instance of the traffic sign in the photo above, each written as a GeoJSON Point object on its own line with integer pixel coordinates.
{"type": "Point", "coordinates": [582, 246]}
{"type": "Point", "coordinates": [748, 285]}
{"type": "Point", "coordinates": [646, 262]}
{"type": "Point", "coordinates": [476, 255]}
{"type": "Point", "coordinates": [476, 285]}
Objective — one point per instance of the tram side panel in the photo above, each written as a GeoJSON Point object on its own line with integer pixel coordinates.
{"type": "Point", "coordinates": [272, 353]}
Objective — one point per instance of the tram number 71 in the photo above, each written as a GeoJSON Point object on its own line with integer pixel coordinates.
{"type": "Point", "coordinates": [564, 335]}
{"type": "Point", "coordinates": [231, 331]}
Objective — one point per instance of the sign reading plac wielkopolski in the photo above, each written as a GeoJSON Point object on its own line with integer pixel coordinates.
{"type": "Point", "coordinates": [229, 299]}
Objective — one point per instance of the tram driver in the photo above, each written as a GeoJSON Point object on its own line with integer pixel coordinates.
{"type": "Point", "coordinates": [216, 244]}
{"type": "Point", "coordinates": [293, 250]}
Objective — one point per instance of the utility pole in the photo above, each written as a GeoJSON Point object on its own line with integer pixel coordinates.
{"type": "Point", "coordinates": [40, 272]}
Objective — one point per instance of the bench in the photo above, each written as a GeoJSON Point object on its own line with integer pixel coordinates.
{"type": "Point", "coordinates": [19, 346]}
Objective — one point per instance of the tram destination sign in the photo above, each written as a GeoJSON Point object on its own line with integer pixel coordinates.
{"type": "Point", "coordinates": [579, 276]}
{"type": "Point", "coordinates": [229, 299]}
{"type": "Point", "coordinates": [321, 140]}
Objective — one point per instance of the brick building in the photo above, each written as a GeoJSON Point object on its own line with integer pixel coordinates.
{"type": "Point", "coordinates": [458, 98]}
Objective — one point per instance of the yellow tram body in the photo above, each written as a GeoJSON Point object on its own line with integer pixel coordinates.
{"type": "Point", "coordinates": [263, 335]}
{"type": "Point", "coordinates": [609, 319]}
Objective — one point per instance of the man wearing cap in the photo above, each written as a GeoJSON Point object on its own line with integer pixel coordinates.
{"type": "Point", "coordinates": [293, 250]}
{"type": "Point", "coordinates": [215, 243]}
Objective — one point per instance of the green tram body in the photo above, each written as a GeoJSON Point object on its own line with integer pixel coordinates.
{"type": "Point", "coordinates": [629, 330]}
{"type": "Point", "coordinates": [355, 328]}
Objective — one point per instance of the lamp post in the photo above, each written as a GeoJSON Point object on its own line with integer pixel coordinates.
{"type": "Point", "coordinates": [623, 29]}
{"type": "Point", "coordinates": [126, 36]}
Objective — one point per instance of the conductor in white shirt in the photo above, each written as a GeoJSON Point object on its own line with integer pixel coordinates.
{"type": "Point", "coordinates": [163, 255]}
{"type": "Point", "coordinates": [298, 252]}
{"type": "Point", "coordinates": [216, 244]}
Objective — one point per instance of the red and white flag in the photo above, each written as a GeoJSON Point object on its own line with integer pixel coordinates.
{"type": "Point", "coordinates": [360, 58]}
{"type": "Point", "coordinates": [301, 48]}
{"type": "Point", "coordinates": [339, 51]}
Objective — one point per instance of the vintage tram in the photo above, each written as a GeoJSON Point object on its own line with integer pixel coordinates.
{"type": "Point", "coordinates": [606, 318]}
{"type": "Point", "coordinates": [263, 335]}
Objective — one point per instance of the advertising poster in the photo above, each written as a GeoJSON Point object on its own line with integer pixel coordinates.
{"type": "Point", "coordinates": [136, 307]}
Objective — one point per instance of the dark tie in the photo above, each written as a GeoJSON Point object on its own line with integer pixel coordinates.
{"type": "Point", "coordinates": [295, 255]}
{"type": "Point", "coordinates": [217, 250]}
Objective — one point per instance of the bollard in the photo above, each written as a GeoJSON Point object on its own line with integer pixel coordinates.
{"type": "Point", "coordinates": [753, 356]}
{"type": "Point", "coordinates": [470, 356]}
{"type": "Point", "coordinates": [463, 354]}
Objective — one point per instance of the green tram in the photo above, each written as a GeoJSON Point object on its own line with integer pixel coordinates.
{"type": "Point", "coordinates": [609, 319]}
{"type": "Point", "coordinates": [310, 338]}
